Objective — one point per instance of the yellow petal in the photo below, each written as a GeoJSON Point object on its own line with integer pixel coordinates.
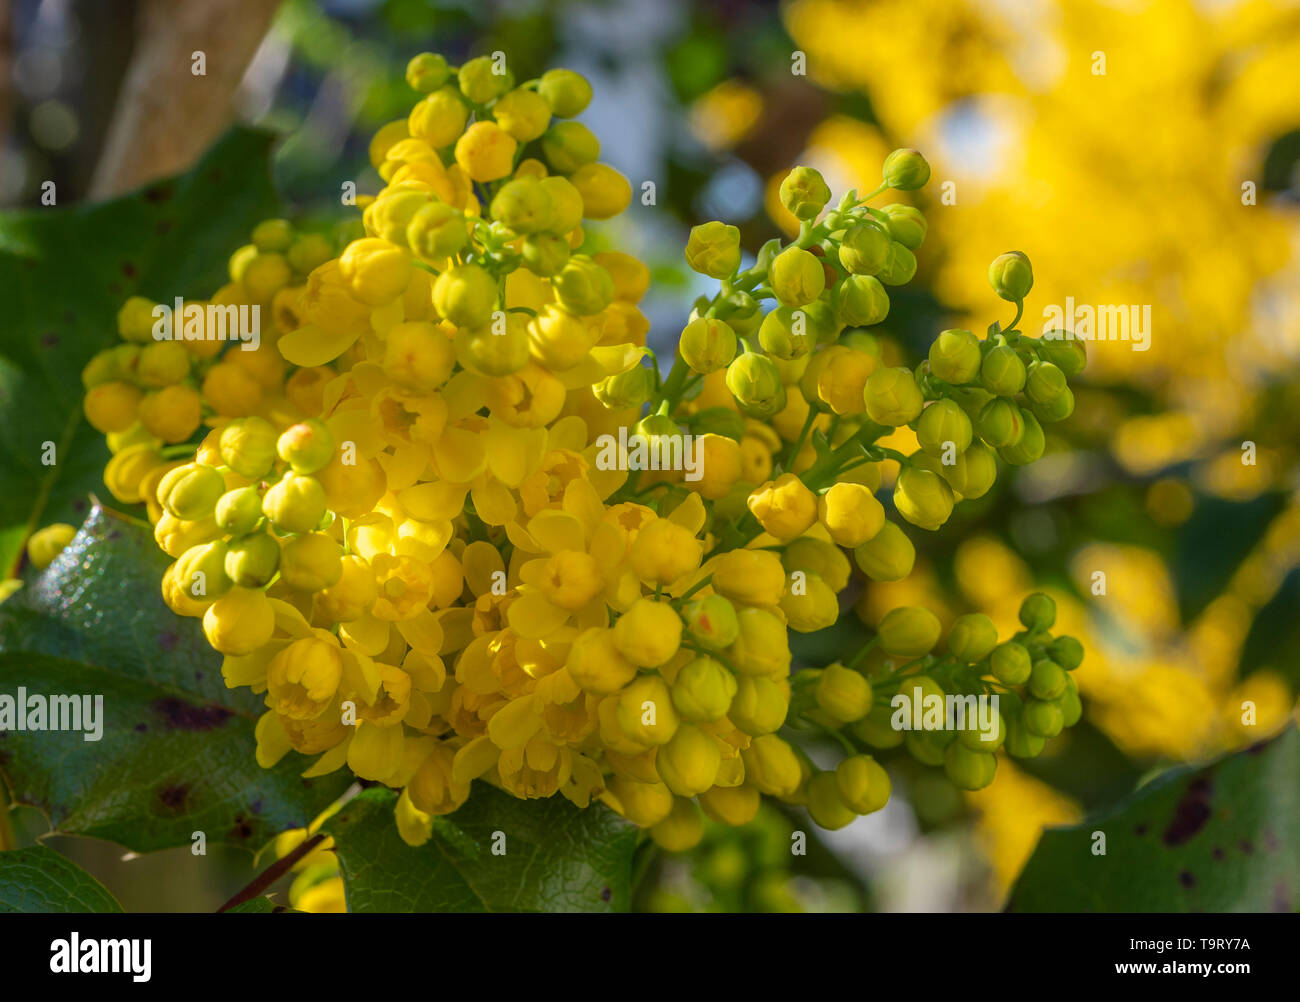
{"type": "Point", "coordinates": [330, 759]}
{"type": "Point", "coordinates": [531, 615]}
{"type": "Point", "coordinates": [460, 455]}
{"type": "Point", "coordinates": [513, 454]}
{"type": "Point", "coordinates": [567, 433]}
{"type": "Point", "coordinates": [404, 466]}
{"type": "Point", "coordinates": [689, 514]}
{"type": "Point", "coordinates": [557, 530]}
{"type": "Point", "coordinates": [272, 741]}
{"type": "Point", "coordinates": [310, 346]}
{"type": "Point", "coordinates": [367, 635]}
{"type": "Point", "coordinates": [493, 502]}
{"type": "Point", "coordinates": [423, 633]}
{"type": "Point", "coordinates": [515, 723]}
{"type": "Point", "coordinates": [432, 502]}
{"type": "Point", "coordinates": [474, 759]}
{"type": "Point", "coordinates": [288, 619]}
{"type": "Point", "coordinates": [355, 425]}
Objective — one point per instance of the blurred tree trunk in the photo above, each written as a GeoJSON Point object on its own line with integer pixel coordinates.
{"type": "Point", "coordinates": [166, 113]}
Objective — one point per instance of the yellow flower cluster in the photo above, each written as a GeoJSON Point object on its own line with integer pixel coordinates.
{"type": "Point", "coordinates": [415, 519]}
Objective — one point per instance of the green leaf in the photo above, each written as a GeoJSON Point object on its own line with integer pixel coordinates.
{"type": "Point", "coordinates": [557, 857]}
{"type": "Point", "coordinates": [1212, 544]}
{"type": "Point", "coordinates": [1221, 838]}
{"type": "Point", "coordinates": [65, 272]}
{"type": "Point", "coordinates": [1274, 637]}
{"type": "Point", "coordinates": [39, 879]}
{"type": "Point", "coordinates": [177, 752]}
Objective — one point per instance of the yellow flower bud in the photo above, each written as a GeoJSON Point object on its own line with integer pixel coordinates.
{"type": "Point", "coordinates": [689, 761]}
{"type": "Point", "coordinates": [569, 145]}
{"type": "Point", "coordinates": [418, 356]}
{"type": "Point", "coordinates": [760, 705]}
{"type": "Point", "coordinates": [596, 664]}
{"type": "Point", "coordinates": [886, 556]}
{"type": "Point", "coordinates": [909, 631]}
{"type": "Point", "coordinates": [112, 406]}
{"type": "Point", "coordinates": [295, 504]}
{"type": "Point", "coordinates": [239, 622]}
{"type": "Point", "coordinates": [567, 92]}
{"type": "Point", "coordinates": [649, 633]}
{"type": "Point", "coordinates": [566, 204]}
{"type": "Point", "coordinates": [825, 803]}
{"type": "Point", "coordinates": [751, 577]}
{"type": "Point", "coordinates": [892, 397]}
{"type": "Point", "coordinates": [582, 286]}
{"type": "Point", "coordinates": [190, 492]}
{"type": "Point", "coordinates": [252, 561]}
{"type": "Point", "coordinates": [804, 192]}
{"type": "Point", "coordinates": [762, 645]}
{"type": "Point", "coordinates": [605, 192]}
{"type": "Point", "coordinates": [311, 562]}
{"type": "Point", "coordinates": [427, 72]}
{"type": "Point", "coordinates": [135, 319]}
{"type": "Point", "coordinates": [664, 551]}
{"type": "Point", "coordinates": [703, 690]}
{"type": "Point", "coordinates": [863, 784]}
{"type": "Point", "coordinates": [840, 381]}
{"type": "Point", "coordinates": [784, 507]}
{"type": "Point", "coordinates": [126, 471]}
{"type": "Point", "coordinates": [713, 249]}
{"type": "Point", "coordinates": [735, 805]}
{"type": "Point", "coordinates": [796, 277]}
{"type": "Point", "coordinates": [850, 513]}
{"type": "Point", "coordinates": [644, 804]}
{"type": "Point", "coordinates": [843, 693]}
{"type": "Point", "coordinates": [707, 344]}
{"type": "Point", "coordinates": [972, 637]}
{"type": "Point", "coordinates": [465, 295]}
{"type": "Point", "coordinates": [571, 579]}
{"type": "Point", "coordinates": [486, 151]}
{"type": "Point", "coordinates": [439, 118]}
{"type": "Point", "coordinates": [681, 831]}
{"type": "Point", "coordinates": [47, 543]}
{"type": "Point", "coordinates": [923, 498]}
{"type": "Point", "coordinates": [376, 271]}
{"type": "Point", "coordinates": [809, 603]}
{"type": "Point", "coordinates": [522, 113]}
{"type": "Point", "coordinates": [645, 711]}
{"type": "Point", "coordinates": [771, 766]}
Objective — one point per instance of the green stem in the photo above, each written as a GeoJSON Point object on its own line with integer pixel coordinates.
{"type": "Point", "coordinates": [792, 453]}
{"type": "Point", "coordinates": [866, 649]}
{"type": "Point", "coordinates": [702, 583]}
{"type": "Point", "coordinates": [673, 385]}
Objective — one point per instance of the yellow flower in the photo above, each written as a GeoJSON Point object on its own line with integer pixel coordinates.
{"type": "Point", "coordinates": [303, 678]}
{"type": "Point", "coordinates": [784, 507]}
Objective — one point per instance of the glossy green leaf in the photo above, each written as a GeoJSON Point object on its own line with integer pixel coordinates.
{"type": "Point", "coordinates": [65, 272]}
{"type": "Point", "coordinates": [38, 879]}
{"type": "Point", "coordinates": [1220, 838]}
{"type": "Point", "coordinates": [177, 751]}
{"type": "Point", "coordinates": [556, 857]}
